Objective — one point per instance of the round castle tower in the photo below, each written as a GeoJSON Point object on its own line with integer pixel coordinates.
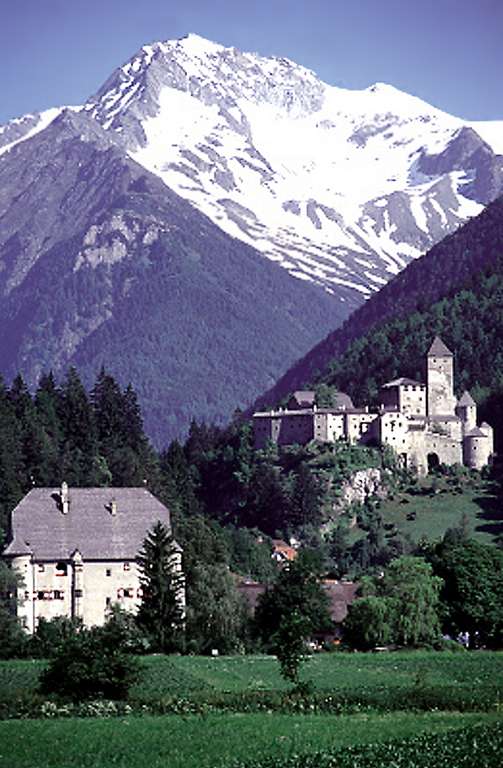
{"type": "Point", "coordinates": [478, 446]}
{"type": "Point", "coordinates": [466, 409]}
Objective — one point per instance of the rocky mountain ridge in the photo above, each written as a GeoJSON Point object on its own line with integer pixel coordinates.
{"type": "Point", "coordinates": [209, 215]}
{"type": "Point", "coordinates": [341, 188]}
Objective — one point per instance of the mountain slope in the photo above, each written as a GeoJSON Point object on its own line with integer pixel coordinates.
{"type": "Point", "coordinates": [388, 336]}
{"type": "Point", "coordinates": [340, 187]}
{"type": "Point", "coordinates": [102, 264]}
{"type": "Point", "coordinates": [208, 215]}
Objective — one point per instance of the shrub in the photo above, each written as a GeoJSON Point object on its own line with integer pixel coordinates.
{"type": "Point", "coordinates": [87, 665]}
{"type": "Point", "coordinates": [50, 634]}
{"type": "Point", "coordinates": [12, 637]}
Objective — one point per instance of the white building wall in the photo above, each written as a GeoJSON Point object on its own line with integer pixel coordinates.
{"type": "Point", "coordinates": [47, 593]}
{"type": "Point", "coordinates": [412, 398]}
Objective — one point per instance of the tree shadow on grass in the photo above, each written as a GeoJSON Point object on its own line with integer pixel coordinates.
{"type": "Point", "coordinates": [492, 512]}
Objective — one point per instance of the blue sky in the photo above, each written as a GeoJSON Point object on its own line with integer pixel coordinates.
{"type": "Point", "coordinates": [448, 52]}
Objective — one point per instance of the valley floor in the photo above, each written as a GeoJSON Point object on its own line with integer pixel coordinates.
{"type": "Point", "coordinates": [369, 699]}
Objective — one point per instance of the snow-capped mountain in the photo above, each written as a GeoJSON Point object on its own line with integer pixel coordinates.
{"type": "Point", "coordinates": [126, 223]}
{"type": "Point", "coordinates": [340, 187]}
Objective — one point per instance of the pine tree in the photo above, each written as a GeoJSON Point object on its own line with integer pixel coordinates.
{"type": "Point", "coordinates": [161, 614]}
{"type": "Point", "coordinates": [13, 478]}
{"type": "Point", "coordinates": [178, 485]}
{"type": "Point", "coordinates": [47, 406]}
{"type": "Point", "coordinates": [80, 447]}
{"type": "Point", "coordinates": [122, 442]}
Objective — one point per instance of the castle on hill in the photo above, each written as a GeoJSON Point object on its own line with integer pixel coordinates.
{"type": "Point", "coordinates": [425, 424]}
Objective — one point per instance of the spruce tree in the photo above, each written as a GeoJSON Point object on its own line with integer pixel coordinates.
{"type": "Point", "coordinates": [48, 405]}
{"type": "Point", "coordinates": [80, 447]}
{"type": "Point", "coordinates": [13, 477]}
{"type": "Point", "coordinates": [178, 483]}
{"type": "Point", "coordinates": [161, 613]}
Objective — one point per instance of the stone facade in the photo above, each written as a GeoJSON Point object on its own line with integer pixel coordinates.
{"type": "Point", "coordinates": [424, 423]}
{"type": "Point", "coordinates": [76, 549]}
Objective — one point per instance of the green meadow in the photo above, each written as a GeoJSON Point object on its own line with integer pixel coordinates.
{"type": "Point", "coordinates": [437, 505]}
{"type": "Point", "coordinates": [384, 697]}
{"type": "Point", "coordinates": [204, 742]}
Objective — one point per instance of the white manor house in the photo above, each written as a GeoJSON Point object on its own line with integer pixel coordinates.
{"type": "Point", "coordinates": [76, 551]}
{"type": "Point", "coordinates": [425, 424]}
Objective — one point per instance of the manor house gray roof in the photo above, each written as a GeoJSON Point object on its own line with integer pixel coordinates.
{"type": "Point", "coordinates": [98, 529]}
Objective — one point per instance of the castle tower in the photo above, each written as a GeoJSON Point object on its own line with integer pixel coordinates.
{"type": "Point", "coordinates": [477, 448]}
{"type": "Point", "coordinates": [440, 380]}
{"type": "Point", "coordinates": [466, 409]}
{"type": "Point", "coordinates": [488, 430]}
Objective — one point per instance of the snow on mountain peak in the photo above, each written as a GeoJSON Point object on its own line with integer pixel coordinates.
{"type": "Point", "coordinates": [197, 45]}
{"type": "Point", "coordinates": [328, 182]}
{"type": "Point", "coordinates": [341, 187]}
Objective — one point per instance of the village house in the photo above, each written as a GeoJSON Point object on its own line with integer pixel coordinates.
{"type": "Point", "coordinates": [340, 594]}
{"type": "Point", "coordinates": [425, 424]}
{"type": "Point", "coordinates": [76, 549]}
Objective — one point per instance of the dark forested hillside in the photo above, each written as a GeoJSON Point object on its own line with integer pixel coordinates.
{"type": "Point", "coordinates": [470, 323]}
{"type": "Point", "coordinates": [447, 268]}
{"type": "Point", "coordinates": [102, 264]}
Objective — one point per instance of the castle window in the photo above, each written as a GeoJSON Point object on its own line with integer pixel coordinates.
{"type": "Point", "coordinates": [128, 592]}
{"type": "Point", "coordinates": [127, 566]}
{"type": "Point", "coordinates": [41, 567]}
{"type": "Point", "coordinates": [61, 569]}
{"type": "Point", "coordinates": [108, 572]}
{"type": "Point", "coordinates": [108, 602]}
{"type": "Point", "coordinates": [40, 595]}
{"type": "Point", "coordinates": [58, 594]}
{"type": "Point", "coordinates": [78, 593]}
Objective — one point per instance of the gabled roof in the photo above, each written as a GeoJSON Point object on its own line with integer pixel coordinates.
{"type": "Point", "coordinates": [475, 432]}
{"type": "Point", "coordinates": [343, 401]}
{"type": "Point", "coordinates": [403, 381]}
{"type": "Point", "coordinates": [466, 399]}
{"type": "Point", "coordinates": [302, 398]}
{"type": "Point", "coordinates": [39, 525]}
{"type": "Point", "coordinates": [340, 595]}
{"type": "Point", "coordinates": [439, 349]}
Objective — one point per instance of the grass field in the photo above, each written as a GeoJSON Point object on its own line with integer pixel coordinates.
{"type": "Point", "coordinates": [203, 742]}
{"type": "Point", "coordinates": [196, 676]}
{"type": "Point", "coordinates": [436, 513]}
{"type": "Point", "coordinates": [220, 739]}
